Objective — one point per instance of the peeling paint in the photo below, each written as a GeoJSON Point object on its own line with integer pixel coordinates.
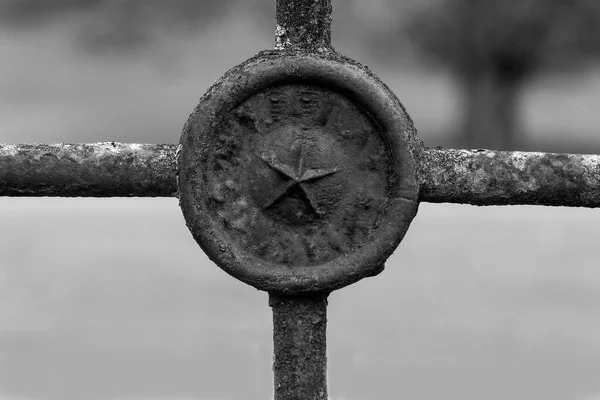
{"type": "Point", "coordinates": [281, 40]}
{"type": "Point", "coordinates": [8, 150]}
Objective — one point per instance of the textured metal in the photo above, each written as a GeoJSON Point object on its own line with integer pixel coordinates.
{"type": "Point", "coordinates": [298, 172]}
{"type": "Point", "coordinates": [113, 169]}
{"type": "Point", "coordinates": [107, 169]}
{"type": "Point", "coordinates": [299, 343]}
{"type": "Point", "coordinates": [485, 177]}
{"type": "Point", "coordinates": [304, 24]}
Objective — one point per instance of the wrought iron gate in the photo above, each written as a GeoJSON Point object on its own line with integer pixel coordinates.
{"type": "Point", "coordinates": [263, 135]}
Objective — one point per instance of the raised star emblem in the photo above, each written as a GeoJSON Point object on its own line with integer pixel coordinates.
{"type": "Point", "coordinates": [295, 173]}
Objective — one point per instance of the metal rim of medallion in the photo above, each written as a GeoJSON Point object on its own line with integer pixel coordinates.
{"type": "Point", "coordinates": [339, 74]}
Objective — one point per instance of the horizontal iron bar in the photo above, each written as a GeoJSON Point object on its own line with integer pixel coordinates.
{"type": "Point", "coordinates": [479, 177]}
{"type": "Point", "coordinates": [486, 177]}
{"type": "Point", "coordinates": [106, 169]}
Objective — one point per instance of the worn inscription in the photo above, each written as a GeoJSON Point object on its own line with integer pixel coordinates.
{"type": "Point", "coordinates": [297, 175]}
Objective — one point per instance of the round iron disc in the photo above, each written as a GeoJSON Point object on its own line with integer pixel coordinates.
{"type": "Point", "coordinates": [297, 172]}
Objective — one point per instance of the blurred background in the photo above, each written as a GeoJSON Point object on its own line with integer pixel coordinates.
{"type": "Point", "coordinates": [111, 299]}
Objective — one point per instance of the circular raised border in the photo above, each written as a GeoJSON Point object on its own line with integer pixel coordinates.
{"type": "Point", "coordinates": [358, 84]}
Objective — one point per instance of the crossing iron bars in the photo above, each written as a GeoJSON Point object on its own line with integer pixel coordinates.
{"type": "Point", "coordinates": [299, 173]}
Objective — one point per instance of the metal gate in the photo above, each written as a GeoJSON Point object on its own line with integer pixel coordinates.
{"type": "Point", "coordinates": [262, 171]}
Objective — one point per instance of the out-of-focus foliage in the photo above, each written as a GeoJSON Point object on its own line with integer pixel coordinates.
{"type": "Point", "coordinates": [119, 24]}
{"type": "Point", "coordinates": [493, 48]}
{"type": "Point", "coordinates": [515, 37]}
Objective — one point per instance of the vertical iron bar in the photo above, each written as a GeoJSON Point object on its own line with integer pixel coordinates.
{"type": "Point", "coordinates": [300, 321]}
{"type": "Point", "coordinates": [303, 24]}
{"type": "Point", "coordinates": [299, 343]}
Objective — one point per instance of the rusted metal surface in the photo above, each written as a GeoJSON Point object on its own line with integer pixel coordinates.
{"type": "Point", "coordinates": [107, 169]}
{"type": "Point", "coordinates": [485, 177]}
{"type": "Point", "coordinates": [297, 172]}
{"type": "Point", "coordinates": [299, 342]}
{"type": "Point", "coordinates": [478, 177]}
{"type": "Point", "coordinates": [304, 24]}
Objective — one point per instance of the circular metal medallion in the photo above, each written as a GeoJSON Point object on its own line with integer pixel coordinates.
{"type": "Point", "coordinates": [297, 172]}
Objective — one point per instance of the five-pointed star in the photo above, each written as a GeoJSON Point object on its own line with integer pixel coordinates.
{"type": "Point", "coordinates": [295, 175]}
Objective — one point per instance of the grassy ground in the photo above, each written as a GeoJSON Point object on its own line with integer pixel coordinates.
{"type": "Point", "coordinates": [112, 299]}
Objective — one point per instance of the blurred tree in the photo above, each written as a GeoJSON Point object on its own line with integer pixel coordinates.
{"type": "Point", "coordinates": [493, 47]}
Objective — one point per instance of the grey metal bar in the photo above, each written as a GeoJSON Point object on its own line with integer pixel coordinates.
{"type": "Point", "coordinates": [106, 169]}
{"type": "Point", "coordinates": [303, 24]}
{"type": "Point", "coordinates": [486, 177]}
{"type": "Point", "coordinates": [479, 177]}
{"type": "Point", "coordinates": [299, 322]}
{"type": "Point", "coordinates": [299, 342]}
